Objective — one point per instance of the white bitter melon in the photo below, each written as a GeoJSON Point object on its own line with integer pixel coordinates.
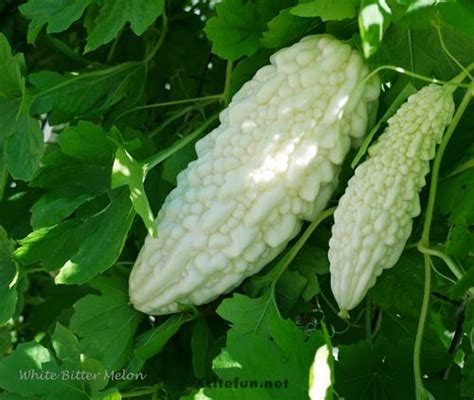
{"type": "Point", "coordinates": [272, 162]}
{"type": "Point", "coordinates": [373, 220]}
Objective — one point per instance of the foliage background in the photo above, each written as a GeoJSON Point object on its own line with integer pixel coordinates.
{"type": "Point", "coordinates": [90, 88]}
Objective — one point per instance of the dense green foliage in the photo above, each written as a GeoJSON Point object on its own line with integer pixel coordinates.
{"type": "Point", "coordinates": [101, 102]}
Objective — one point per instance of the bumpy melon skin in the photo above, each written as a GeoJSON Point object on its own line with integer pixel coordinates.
{"type": "Point", "coordinates": [373, 220]}
{"type": "Point", "coordinates": [273, 162]}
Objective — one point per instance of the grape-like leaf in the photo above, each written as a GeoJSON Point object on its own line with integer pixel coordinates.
{"type": "Point", "coordinates": [114, 14]}
{"type": "Point", "coordinates": [57, 15]}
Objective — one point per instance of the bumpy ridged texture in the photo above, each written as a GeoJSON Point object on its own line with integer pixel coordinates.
{"type": "Point", "coordinates": [374, 217]}
{"type": "Point", "coordinates": [273, 161]}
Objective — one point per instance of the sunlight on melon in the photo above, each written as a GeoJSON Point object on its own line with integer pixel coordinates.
{"type": "Point", "coordinates": [340, 107]}
{"type": "Point", "coordinates": [309, 153]}
{"type": "Point", "coordinates": [276, 163]}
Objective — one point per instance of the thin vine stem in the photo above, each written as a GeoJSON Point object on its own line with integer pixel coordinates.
{"type": "Point", "coordinates": [170, 120]}
{"type": "Point", "coordinates": [460, 169]}
{"type": "Point", "coordinates": [449, 54]}
{"type": "Point", "coordinates": [155, 393]}
{"type": "Point", "coordinates": [158, 158]}
{"type": "Point", "coordinates": [228, 76]}
{"type": "Point", "coordinates": [224, 96]}
{"type": "Point", "coordinates": [402, 70]}
{"type": "Point", "coordinates": [67, 51]}
{"type": "Point", "coordinates": [421, 392]}
{"type": "Point", "coordinates": [113, 47]}
{"type": "Point", "coordinates": [447, 260]}
{"type": "Point", "coordinates": [104, 73]}
{"type": "Point", "coordinates": [410, 46]}
{"type": "Point", "coordinates": [124, 263]}
{"type": "Point", "coordinates": [439, 273]}
{"type": "Point", "coordinates": [329, 304]}
{"type": "Point", "coordinates": [159, 43]}
{"type": "Point", "coordinates": [139, 393]}
{"type": "Point", "coordinates": [216, 97]}
{"type": "Point", "coordinates": [289, 257]}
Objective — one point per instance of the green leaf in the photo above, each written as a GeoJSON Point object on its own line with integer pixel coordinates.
{"type": "Point", "coordinates": [32, 358]}
{"type": "Point", "coordinates": [327, 10]}
{"type": "Point", "coordinates": [9, 111]}
{"type": "Point", "coordinates": [85, 153]}
{"type": "Point", "coordinates": [381, 371]}
{"type": "Point", "coordinates": [313, 258]}
{"type": "Point", "coordinates": [84, 94]}
{"type": "Point", "coordinates": [246, 69]}
{"type": "Point", "coordinates": [284, 359]}
{"type": "Point", "coordinates": [153, 341]}
{"type": "Point", "coordinates": [400, 289]}
{"type": "Point", "coordinates": [53, 207]}
{"type": "Point", "coordinates": [57, 170]}
{"type": "Point", "coordinates": [459, 14]}
{"type": "Point", "coordinates": [52, 302]}
{"type": "Point", "coordinates": [5, 340]}
{"type": "Point", "coordinates": [467, 383]}
{"type": "Point", "coordinates": [176, 157]}
{"type": "Point", "coordinates": [413, 49]}
{"type": "Point", "coordinates": [459, 289]}
{"type": "Point", "coordinates": [268, 9]}
{"type": "Point", "coordinates": [310, 262]}
{"type": "Point", "coordinates": [177, 161]}
{"type": "Point", "coordinates": [373, 373]}
{"type": "Point", "coordinates": [86, 141]}
{"type": "Point", "coordinates": [468, 325]}
{"type": "Point", "coordinates": [129, 172]}
{"type": "Point", "coordinates": [374, 18]}
{"type": "Point", "coordinates": [81, 248]}
{"type": "Point", "coordinates": [57, 15]}
{"type": "Point", "coordinates": [8, 274]}
{"type": "Point", "coordinates": [109, 394]}
{"type": "Point", "coordinates": [249, 315]}
{"type": "Point", "coordinates": [21, 139]}
{"type": "Point", "coordinates": [114, 14]}
{"type": "Point", "coordinates": [289, 289]}
{"type": "Point", "coordinates": [202, 341]}
{"type": "Point", "coordinates": [24, 148]}
{"type": "Point", "coordinates": [467, 386]}
{"type": "Point", "coordinates": [52, 246]}
{"type": "Point", "coordinates": [106, 323]}
{"type": "Point", "coordinates": [12, 83]}
{"type": "Point", "coordinates": [236, 30]}
{"type": "Point", "coordinates": [286, 28]}
{"type": "Point", "coordinates": [460, 241]}
{"type": "Point", "coordinates": [106, 237]}
{"type": "Point", "coordinates": [66, 346]}
{"type": "Point", "coordinates": [3, 171]}
{"type": "Point", "coordinates": [455, 191]}
{"type": "Point", "coordinates": [100, 374]}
